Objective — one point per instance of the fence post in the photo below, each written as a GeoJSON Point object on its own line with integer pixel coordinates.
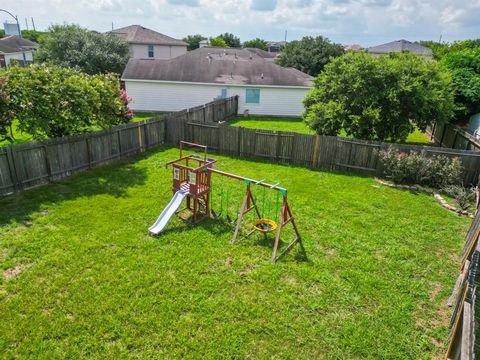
{"type": "Point", "coordinates": [119, 143]}
{"type": "Point", "coordinates": [140, 140]}
{"type": "Point", "coordinates": [145, 134]}
{"type": "Point", "coordinates": [315, 150]}
{"type": "Point", "coordinates": [13, 169]}
{"type": "Point", "coordinates": [89, 159]}
{"type": "Point", "coordinates": [240, 139]}
{"type": "Point", "coordinates": [454, 138]}
{"type": "Point", "coordinates": [432, 134]}
{"type": "Point", "coordinates": [47, 163]}
{"type": "Point", "coordinates": [204, 118]}
{"type": "Point", "coordinates": [444, 130]}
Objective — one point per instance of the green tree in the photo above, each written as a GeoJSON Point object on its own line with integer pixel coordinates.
{"type": "Point", "coordinates": [309, 54]}
{"type": "Point", "coordinates": [231, 40]}
{"type": "Point", "coordinates": [378, 98]}
{"type": "Point", "coordinates": [2, 33]}
{"type": "Point", "coordinates": [193, 41]}
{"type": "Point", "coordinates": [74, 47]}
{"type": "Point", "coordinates": [256, 43]}
{"type": "Point", "coordinates": [51, 101]}
{"type": "Point", "coordinates": [33, 35]}
{"type": "Point", "coordinates": [438, 49]}
{"type": "Point", "coordinates": [218, 42]}
{"type": "Point", "coordinates": [464, 65]}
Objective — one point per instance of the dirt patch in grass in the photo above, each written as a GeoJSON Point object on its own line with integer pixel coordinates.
{"type": "Point", "coordinates": [12, 272]}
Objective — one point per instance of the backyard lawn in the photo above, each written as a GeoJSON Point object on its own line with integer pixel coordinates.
{"type": "Point", "coordinates": [81, 277]}
{"type": "Point", "coordinates": [298, 126]}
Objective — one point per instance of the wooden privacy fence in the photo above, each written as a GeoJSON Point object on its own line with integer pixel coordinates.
{"type": "Point", "coordinates": [462, 336]}
{"type": "Point", "coordinates": [28, 165]}
{"type": "Point", "coordinates": [325, 152]}
{"type": "Point", "coordinates": [452, 136]}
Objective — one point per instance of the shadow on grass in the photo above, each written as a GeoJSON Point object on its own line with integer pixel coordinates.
{"type": "Point", "coordinates": [112, 179]}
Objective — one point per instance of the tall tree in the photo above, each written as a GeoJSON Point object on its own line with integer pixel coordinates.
{"type": "Point", "coordinates": [310, 54]}
{"type": "Point", "coordinates": [193, 41]}
{"type": "Point", "coordinates": [231, 40]}
{"type": "Point", "coordinates": [218, 42]}
{"type": "Point", "coordinates": [379, 98]}
{"type": "Point", "coordinates": [91, 52]}
{"type": "Point", "coordinates": [256, 43]}
{"type": "Point", "coordinates": [464, 65]}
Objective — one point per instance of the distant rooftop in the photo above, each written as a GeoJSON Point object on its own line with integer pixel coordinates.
{"type": "Point", "coordinates": [399, 46]}
{"type": "Point", "coordinates": [15, 44]}
{"type": "Point", "coordinates": [217, 65]}
{"type": "Point", "coordinates": [138, 34]}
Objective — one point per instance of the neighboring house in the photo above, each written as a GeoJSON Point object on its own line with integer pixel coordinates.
{"type": "Point", "coordinates": [148, 44]}
{"type": "Point", "coordinates": [203, 43]}
{"type": "Point", "coordinates": [400, 46]}
{"type": "Point", "coordinates": [352, 47]}
{"type": "Point", "coordinates": [275, 46]}
{"type": "Point", "coordinates": [205, 74]}
{"type": "Point", "coordinates": [16, 48]}
{"type": "Point", "coordinates": [269, 56]}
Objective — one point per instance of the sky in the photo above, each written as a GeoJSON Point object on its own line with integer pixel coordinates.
{"type": "Point", "coordinates": [364, 22]}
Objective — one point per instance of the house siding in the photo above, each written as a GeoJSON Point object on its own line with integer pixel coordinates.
{"type": "Point", "coordinates": [163, 96]}
{"type": "Point", "coordinates": [162, 52]}
{"type": "Point", "coordinates": [18, 56]}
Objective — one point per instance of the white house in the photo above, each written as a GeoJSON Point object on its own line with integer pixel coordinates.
{"type": "Point", "coordinates": [16, 48]}
{"type": "Point", "coordinates": [148, 44]}
{"type": "Point", "coordinates": [205, 74]}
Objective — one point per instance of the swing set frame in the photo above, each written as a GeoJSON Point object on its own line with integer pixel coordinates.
{"type": "Point", "coordinates": [249, 204]}
{"type": "Point", "coordinates": [196, 181]}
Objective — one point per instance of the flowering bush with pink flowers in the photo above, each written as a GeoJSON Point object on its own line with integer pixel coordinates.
{"type": "Point", "coordinates": [417, 168]}
{"type": "Point", "coordinates": [6, 114]}
{"type": "Point", "coordinates": [49, 101]}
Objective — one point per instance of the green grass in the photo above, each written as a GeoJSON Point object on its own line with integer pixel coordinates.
{"type": "Point", "coordinates": [19, 136]}
{"type": "Point", "coordinates": [380, 264]}
{"type": "Point", "coordinates": [140, 116]}
{"type": "Point", "coordinates": [22, 137]}
{"type": "Point", "coordinates": [298, 126]}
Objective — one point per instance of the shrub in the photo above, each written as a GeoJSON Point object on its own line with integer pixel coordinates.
{"type": "Point", "coordinates": [6, 114]}
{"type": "Point", "coordinates": [465, 197]}
{"type": "Point", "coordinates": [50, 101]}
{"type": "Point", "coordinates": [378, 98]}
{"type": "Point", "coordinates": [417, 168]}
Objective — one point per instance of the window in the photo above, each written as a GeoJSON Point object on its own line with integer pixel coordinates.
{"type": "Point", "coordinates": [223, 94]}
{"type": "Point", "coordinates": [150, 51]}
{"type": "Point", "coordinates": [252, 96]}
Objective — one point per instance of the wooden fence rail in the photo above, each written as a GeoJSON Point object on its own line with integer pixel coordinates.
{"type": "Point", "coordinates": [32, 164]}
{"type": "Point", "coordinates": [462, 336]}
{"type": "Point", "coordinates": [452, 136]}
{"type": "Point", "coordinates": [325, 152]}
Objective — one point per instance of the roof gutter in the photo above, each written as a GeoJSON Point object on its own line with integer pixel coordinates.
{"type": "Point", "coordinates": [219, 84]}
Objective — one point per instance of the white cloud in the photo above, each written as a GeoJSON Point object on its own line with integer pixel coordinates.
{"type": "Point", "coordinates": [348, 21]}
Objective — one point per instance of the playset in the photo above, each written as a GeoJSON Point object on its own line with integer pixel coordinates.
{"type": "Point", "coordinates": [192, 175]}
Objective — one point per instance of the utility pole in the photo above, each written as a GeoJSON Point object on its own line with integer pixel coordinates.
{"type": "Point", "coordinates": [26, 23]}
{"type": "Point", "coordinates": [19, 32]}
{"type": "Point", "coordinates": [33, 24]}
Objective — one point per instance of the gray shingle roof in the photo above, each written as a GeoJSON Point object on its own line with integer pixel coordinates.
{"type": "Point", "coordinates": [216, 65]}
{"type": "Point", "coordinates": [137, 34]}
{"type": "Point", "coordinates": [14, 44]}
{"type": "Point", "coordinates": [399, 46]}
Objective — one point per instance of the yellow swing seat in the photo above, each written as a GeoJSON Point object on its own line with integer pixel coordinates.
{"type": "Point", "coordinates": [265, 225]}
